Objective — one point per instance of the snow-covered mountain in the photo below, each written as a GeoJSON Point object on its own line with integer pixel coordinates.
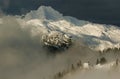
{"type": "Point", "coordinates": [44, 13]}
{"type": "Point", "coordinates": [95, 36]}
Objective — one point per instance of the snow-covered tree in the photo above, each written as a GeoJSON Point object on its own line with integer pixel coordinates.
{"type": "Point", "coordinates": [57, 39]}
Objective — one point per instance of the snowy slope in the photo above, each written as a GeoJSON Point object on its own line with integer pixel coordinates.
{"type": "Point", "coordinates": [96, 36]}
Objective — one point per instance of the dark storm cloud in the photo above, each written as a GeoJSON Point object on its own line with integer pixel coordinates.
{"type": "Point", "coordinates": [101, 11]}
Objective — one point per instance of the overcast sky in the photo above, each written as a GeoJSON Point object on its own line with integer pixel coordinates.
{"type": "Point", "coordinates": [100, 11]}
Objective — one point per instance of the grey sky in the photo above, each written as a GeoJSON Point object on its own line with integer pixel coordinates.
{"type": "Point", "coordinates": [100, 11]}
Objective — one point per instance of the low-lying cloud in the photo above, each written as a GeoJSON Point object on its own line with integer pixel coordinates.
{"type": "Point", "coordinates": [22, 56]}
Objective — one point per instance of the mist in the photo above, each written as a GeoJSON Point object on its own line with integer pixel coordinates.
{"type": "Point", "coordinates": [23, 56]}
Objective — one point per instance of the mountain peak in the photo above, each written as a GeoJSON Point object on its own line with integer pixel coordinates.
{"type": "Point", "coordinates": [44, 12]}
